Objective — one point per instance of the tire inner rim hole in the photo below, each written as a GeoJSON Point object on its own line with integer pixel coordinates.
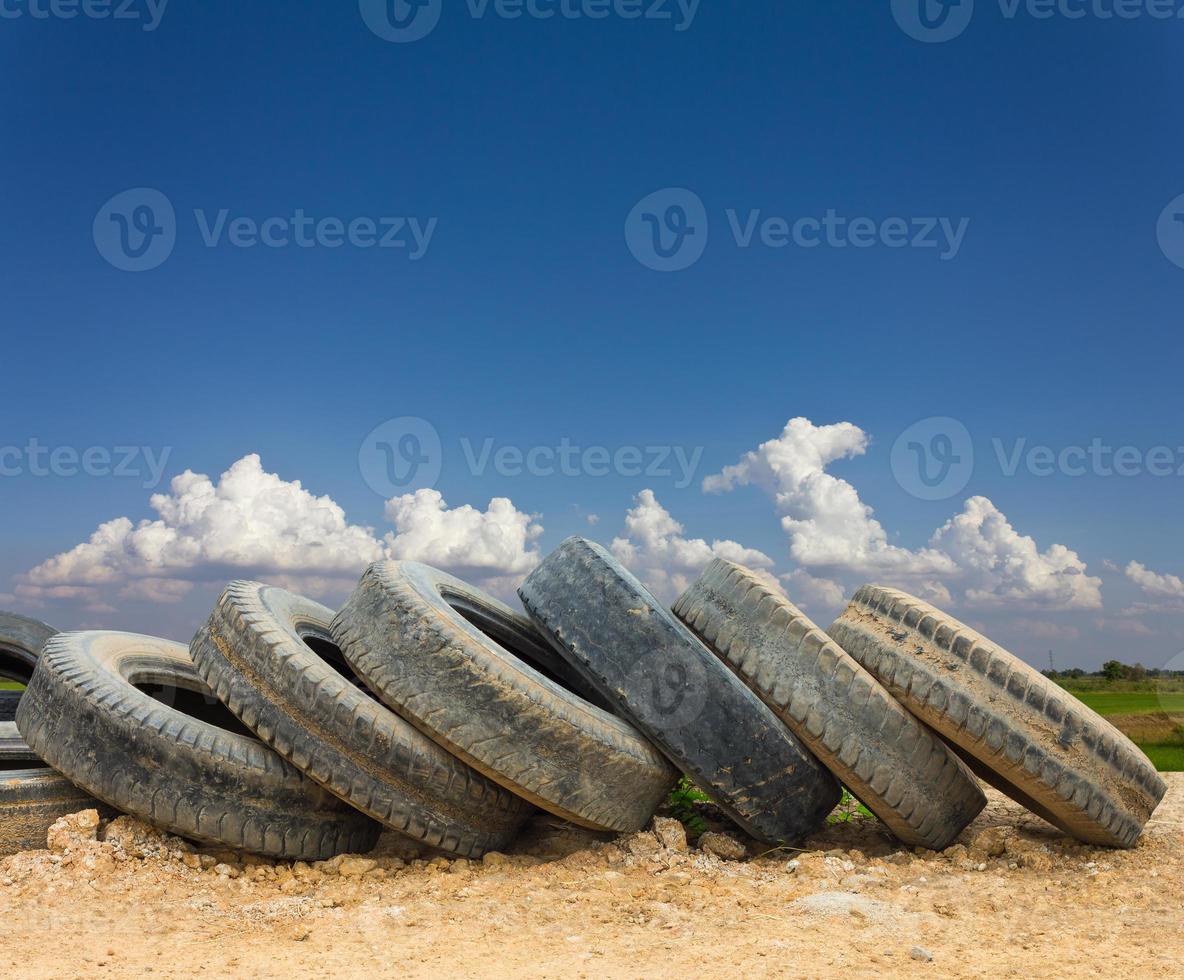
{"type": "Point", "coordinates": [14, 670]}
{"type": "Point", "coordinates": [331, 653]}
{"type": "Point", "coordinates": [194, 704]}
{"type": "Point", "coordinates": [539, 659]}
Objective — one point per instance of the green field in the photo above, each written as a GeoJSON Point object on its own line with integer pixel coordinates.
{"type": "Point", "coordinates": [1150, 713]}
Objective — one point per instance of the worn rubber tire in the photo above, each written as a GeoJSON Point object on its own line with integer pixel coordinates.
{"type": "Point", "coordinates": [893, 764]}
{"type": "Point", "coordinates": [21, 640]}
{"type": "Point", "coordinates": [83, 715]}
{"type": "Point", "coordinates": [31, 800]}
{"type": "Point", "coordinates": [408, 630]}
{"type": "Point", "coordinates": [253, 654]}
{"type": "Point", "coordinates": [712, 727]}
{"type": "Point", "coordinates": [1016, 728]}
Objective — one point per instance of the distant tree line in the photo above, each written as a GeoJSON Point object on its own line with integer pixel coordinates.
{"type": "Point", "coordinates": [1115, 670]}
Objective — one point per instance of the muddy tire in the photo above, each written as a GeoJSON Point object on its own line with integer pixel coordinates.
{"type": "Point", "coordinates": [21, 640]}
{"type": "Point", "coordinates": [664, 680]}
{"type": "Point", "coordinates": [85, 714]}
{"type": "Point", "coordinates": [269, 657]}
{"type": "Point", "coordinates": [893, 764]}
{"type": "Point", "coordinates": [458, 664]}
{"type": "Point", "coordinates": [31, 800]}
{"type": "Point", "coordinates": [1015, 728]}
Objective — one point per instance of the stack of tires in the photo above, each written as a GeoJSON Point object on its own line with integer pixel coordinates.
{"type": "Point", "coordinates": [429, 708]}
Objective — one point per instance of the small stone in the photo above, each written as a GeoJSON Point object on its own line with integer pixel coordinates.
{"type": "Point", "coordinates": [722, 846]}
{"type": "Point", "coordinates": [139, 840]}
{"type": "Point", "coordinates": [353, 866]}
{"type": "Point", "coordinates": [671, 834]}
{"type": "Point", "coordinates": [642, 845]}
{"type": "Point", "coordinates": [921, 953]}
{"type": "Point", "coordinates": [72, 829]}
{"type": "Point", "coordinates": [792, 865]}
{"type": "Point", "coordinates": [495, 859]}
{"type": "Point", "coordinates": [1035, 861]}
{"type": "Point", "coordinates": [329, 867]}
{"type": "Point", "coordinates": [992, 841]}
{"type": "Point", "coordinates": [191, 861]}
{"type": "Point", "coordinates": [224, 870]}
{"type": "Point", "coordinates": [207, 861]}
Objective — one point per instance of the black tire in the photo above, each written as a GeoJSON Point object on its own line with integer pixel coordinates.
{"type": "Point", "coordinates": [711, 726]}
{"type": "Point", "coordinates": [85, 714]}
{"type": "Point", "coordinates": [269, 657]}
{"type": "Point", "coordinates": [1013, 726]}
{"type": "Point", "coordinates": [457, 664]}
{"type": "Point", "coordinates": [21, 640]}
{"type": "Point", "coordinates": [892, 763]}
{"type": "Point", "coordinates": [31, 800]}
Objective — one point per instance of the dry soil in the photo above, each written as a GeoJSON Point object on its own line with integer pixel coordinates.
{"type": "Point", "coordinates": [1015, 898]}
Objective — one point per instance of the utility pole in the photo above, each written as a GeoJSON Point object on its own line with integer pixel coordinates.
{"type": "Point", "coordinates": [1051, 666]}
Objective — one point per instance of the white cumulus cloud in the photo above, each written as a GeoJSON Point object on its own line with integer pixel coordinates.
{"type": "Point", "coordinates": [656, 551]}
{"type": "Point", "coordinates": [977, 556]}
{"type": "Point", "coordinates": [997, 565]}
{"type": "Point", "coordinates": [251, 523]}
{"type": "Point", "coordinates": [1153, 583]}
{"type": "Point", "coordinates": [493, 548]}
{"type": "Point", "coordinates": [828, 525]}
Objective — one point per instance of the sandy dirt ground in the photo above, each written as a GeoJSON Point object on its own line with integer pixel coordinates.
{"type": "Point", "coordinates": [1015, 898]}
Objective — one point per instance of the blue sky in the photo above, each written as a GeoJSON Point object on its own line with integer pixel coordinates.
{"type": "Point", "coordinates": [524, 147]}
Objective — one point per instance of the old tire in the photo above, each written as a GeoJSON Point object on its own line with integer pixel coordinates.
{"type": "Point", "coordinates": [257, 654]}
{"type": "Point", "coordinates": [1017, 729]}
{"type": "Point", "coordinates": [84, 714]}
{"type": "Point", "coordinates": [893, 764]}
{"type": "Point", "coordinates": [32, 796]}
{"type": "Point", "coordinates": [31, 800]}
{"type": "Point", "coordinates": [21, 640]}
{"type": "Point", "coordinates": [457, 664]}
{"type": "Point", "coordinates": [661, 677]}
